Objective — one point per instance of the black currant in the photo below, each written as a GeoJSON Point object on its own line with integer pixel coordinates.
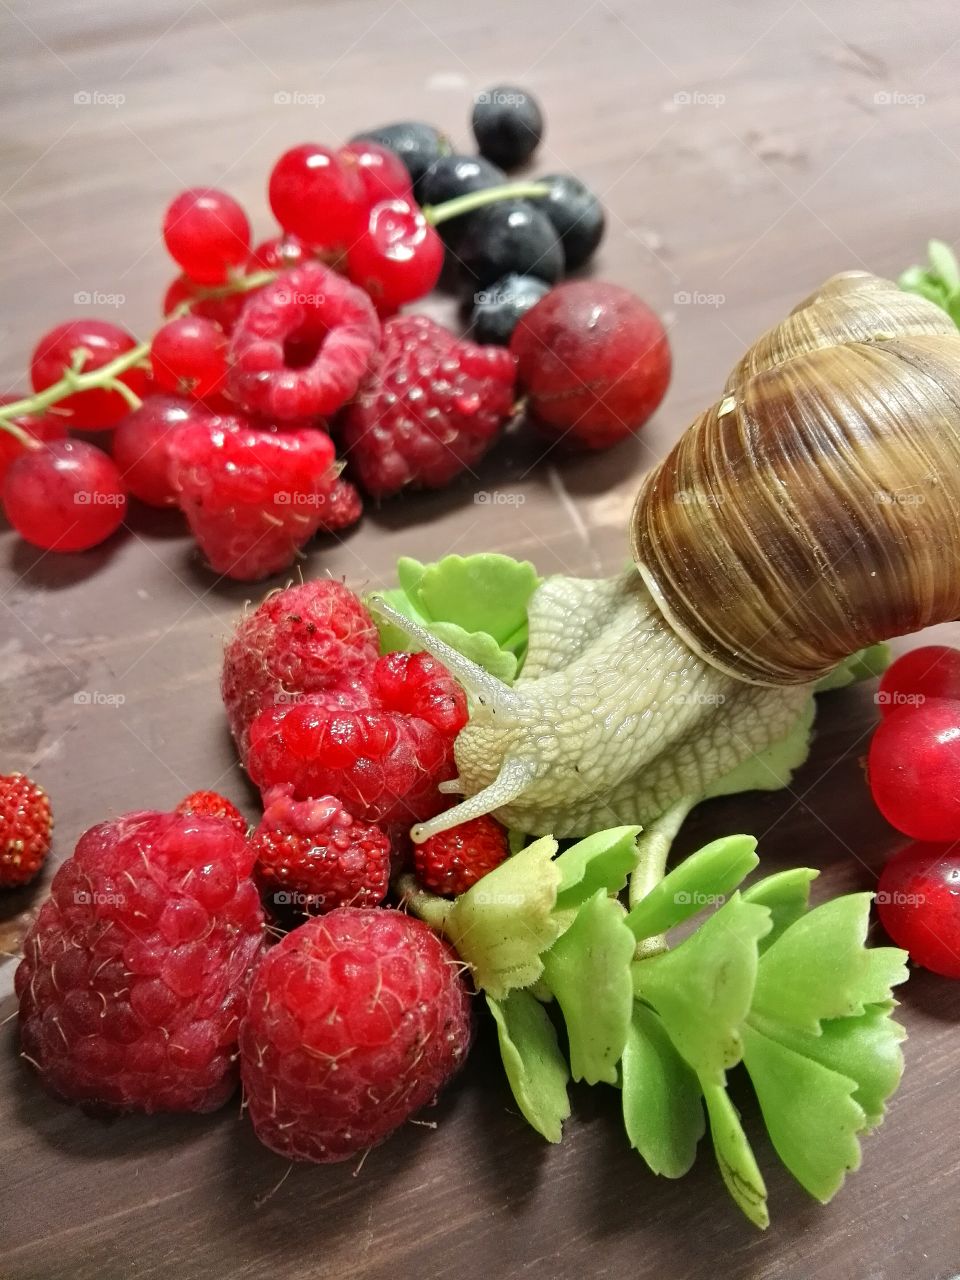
{"type": "Point", "coordinates": [507, 124]}
{"type": "Point", "coordinates": [498, 307]}
{"type": "Point", "coordinates": [418, 145]}
{"type": "Point", "coordinates": [455, 175]}
{"type": "Point", "coordinates": [577, 217]}
{"type": "Point", "coordinates": [510, 237]}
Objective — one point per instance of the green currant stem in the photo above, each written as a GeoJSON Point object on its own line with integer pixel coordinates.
{"type": "Point", "coordinates": [653, 849]}
{"type": "Point", "coordinates": [121, 388]}
{"type": "Point", "coordinates": [429, 908]}
{"type": "Point", "coordinates": [437, 213]}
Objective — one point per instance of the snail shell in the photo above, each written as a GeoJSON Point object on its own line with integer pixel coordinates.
{"type": "Point", "coordinates": [815, 508]}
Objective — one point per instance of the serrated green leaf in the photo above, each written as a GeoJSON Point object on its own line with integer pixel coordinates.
{"type": "Point", "coordinates": [409, 573]}
{"type": "Point", "coordinates": [502, 924]}
{"type": "Point", "coordinates": [809, 1112]}
{"type": "Point", "coordinates": [588, 970]}
{"type": "Point", "coordinates": [772, 768]}
{"type": "Point", "coordinates": [703, 879]}
{"type": "Point", "coordinates": [487, 592]}
{"type": "Point", "coordinates": [943, 264]}
{"type": "Point", "coordinates": [534, 1065]}
{"type": "Point", "coordinates": [481, 647]}
{"type": "Point", "coordinates": [738, 1168]}
{"type": "Point", "coordinates": [786, 895]}
{"type": "Point", "coordinates": [865, 664]}
{"type": "Point", "coordinates": [819, 968]}
{"type": "Point", "coordinates": [601, 861]}
{"type": "Point", "coordinates": [662, 1111]}
{"type": "Point", "coordinates": [392, 639]}
{"type": "Point", "coordinates": [703, 988]}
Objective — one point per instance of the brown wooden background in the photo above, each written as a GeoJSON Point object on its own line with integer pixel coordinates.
{"type": "Point", "coordinates": [813, 137]}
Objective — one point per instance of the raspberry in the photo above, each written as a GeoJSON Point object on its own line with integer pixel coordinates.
{"type": "Point", "coordinates": [302, 344]}
{"type": "Point", "coordinates": [25, 826]}
{"type": "Point", "coordinates": [302, 640]}
{"type": "Point", "coordinates": [431, 406]}
{"type": "Point", "coordinates": [136, 971]}
{"type": "Point", "coordinates": [355, 1021]}
{"type": "Point", "coordinates": [451, 862]}
{"type": "Point", "coordinates": [210, 804]}
{"type": "Point", "coordinates": [315, 855]}
{"type": "Point", "coordinates": [343, 507]}
{"type": "Point", "coordinates": [252, 496]}
{"type": "Point", "coordinates": [384, 763]}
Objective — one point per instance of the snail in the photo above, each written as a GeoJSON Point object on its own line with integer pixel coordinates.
{"type": "Point", "coordinates": [813, 510]}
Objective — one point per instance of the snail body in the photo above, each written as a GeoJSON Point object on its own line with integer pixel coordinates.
{"type": "Point", "coordinates": [767, 548]}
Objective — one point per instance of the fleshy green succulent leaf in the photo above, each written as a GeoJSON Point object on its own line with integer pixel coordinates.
{"type": "Point", "coordinates": [487, 592]}
{"type": "Point", "coordinates": [943, 265]}
{"type": "Point", "coordinates": [501, 925]}
{"type": "Point", "coordinates": [392, 639]}
{"type": "Point", "coordinates": [588, 970]}
{"type": "Point", "coordinates": [865, 664]}
{"type": "Point", "coordinates": [772, 768]}
{"type": "Point", "coordinates": [409, 574]}
{"type": "Point", "coordinates": [535, 1067]}
{"type": "Point", "coordinates": [662, 1111]}
{"type": "Point", "coordinates": [601, 861]}
{"type": "Point", "coordinates": [481, 647]}
{"type": "Point", "coordinates": [809, 1112]}
{"type": "Point", "coordinates": [787, 896]}
{"type": "Point", "coordinates": [703, 879]}
{"type": "Point", "coordinates": [819, 968]}
{"type": "Point", "coordinates": [738, 1168]}
{"type": "Point", "coordinates": [703, 988]}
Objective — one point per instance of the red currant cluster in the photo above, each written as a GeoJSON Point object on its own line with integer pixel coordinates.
{"type": "Point", "coordinates": [914, 772]}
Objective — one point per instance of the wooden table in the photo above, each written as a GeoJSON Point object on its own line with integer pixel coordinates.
{"type": "Point", "coordinates": [744, 155]}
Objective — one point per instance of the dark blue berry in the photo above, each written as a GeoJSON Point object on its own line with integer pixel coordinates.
{"type": "Point", "coordinates": [453, 176]}
{"type": "Point", "coordinates": [576, 214]}
{"type": "Point", "coordinates": [418, 145]}
{"type": "Point", "coordinates": [507, 124]}
{"type": "Point", "coordinates": [510, 237]}
{"type": "Point", "coordinates": [498, 307]}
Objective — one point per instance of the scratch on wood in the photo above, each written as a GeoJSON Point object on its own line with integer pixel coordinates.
{"type": "Point", "coordinates": [570, 507]}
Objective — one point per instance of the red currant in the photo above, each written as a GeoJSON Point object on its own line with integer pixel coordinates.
{"type": "Point", "coordinates": [189, 357]}
{"type": "Point", "coordinates": [207, 234]}
{"type": "Point", "coordinates": [141, 447]}
{"type": "Point", "coordinates": [399, 256]}
{"type": "Point", "coordinates": [383, 175]}
{"type": "Point", "coordinates": [918, 902]}
{"type": "Point", "coordinates": [932, 671]}
{"type": "Point", "coordinates": [103, 342]}
{"type": "Point", "coordinates": [67, 496]}
{"type": "Point", "coordinates": [222, 311]}
{"type": "Point", "coordinates": [317, 197]}
{"type": "Point", "coordinates": [279, 253]}
{"type": "Point", "coordinates": [914, 769]}
{"type": "Point", "coordinates": [43, 427]}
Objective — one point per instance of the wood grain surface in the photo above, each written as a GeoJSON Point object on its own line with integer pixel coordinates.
{"type": "Point", "coordinates": [744, 152]}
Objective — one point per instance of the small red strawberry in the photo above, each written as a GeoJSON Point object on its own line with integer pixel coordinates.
{"type": "Point", "coordinates": [210, 804]}
{"type": "Point", "coordinates": [430, 408]}
{"type": "Point", "coordinates": [312, 855]}
{"type": "Point", "coordinates": [252, 496]}
{"type": "Point", "coordinates": [25, 826]}
{"type": "Point", "coordinates": [355, 1021]}
{"type": "Point", "coordinates": [453, 861]}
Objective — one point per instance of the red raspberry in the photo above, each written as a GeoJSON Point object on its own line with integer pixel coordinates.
{"type": "Point", "coordinates": [302, 344]}
{"type": "Point", "coordinates": [302, 640]}
{"type": "Point", "coordinates": [355, 1021]}
{"type": "Point", "coordinates": [136, 971]}
{"type": "Point", "coordinates": [453, 861]}
{"type": "Point", "coordinates": [383, 764]}
{"type": "Point", "coordinates": [210, 804]}
{"type": "Point", "coordinates": [343, 507]}
{"type": "Point", "coordinates": [313, 855]}
{"type": "Point", "coordinates": [430, 408]}
{"type": "Point", "coordinates": [25, 826]}
{"type": "Point", "coordinates": [252, 496]}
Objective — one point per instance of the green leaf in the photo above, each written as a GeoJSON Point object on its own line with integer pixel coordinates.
{"type": "Point", "coordinates": [601, 861]}
{"type": "Point", "coordinates": [662, 1111]}
{"type": "Point", "coordinates": [703, 879]}
{"type": "Point", "coordinates": [943, 263]}
{"type": "Point", "coordinates": [819, 968]}
{"type": "Point", "coordinates": [481, 647]}
{"type": "Point", "coordinates": [392, 639]}
{"type": "Point", "coordinates": [588, 970]}
{"type": "Point", "coordinates": [502, 924]}
{"type": "Point", "coordinates": [786, 895]}
{"type": "Point", "coordinates": [703, 988]}
{"type": "Point", "coordinates": [772, 768]}
{"type": "Point", "coordinates": [535, 1067]}
{"type": "Point", "coordinates": [738, 1168]}
{"type": "Point", "coordinates": [487, 592]}
{"type": "Point", "coordinates": [865, 664]}
{"type": "Point", "coordinates": [919, 280]}
{"type": "Point", "coordinates": [809, 1111]}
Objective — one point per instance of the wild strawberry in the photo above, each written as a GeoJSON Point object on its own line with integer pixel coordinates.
{"type": "Point", "coordinates": [210, 804]}
{"type": "Point", "coordinates": [430, 408]}
{"type": "Point", "coordinates": [25, 826]}
{"type": "Point", "coordinates": [355, 1021]}
{"type": "Point", "coordinates": [135, 972]}
{"type": "Point", "coordinates": [453, 861]}
{"type": "Point", "coordinates": [313, 855]}
{"type": "Point", "coordinates": [302, 640]}
{"type": "Point", "coordinates": [252, 496]}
